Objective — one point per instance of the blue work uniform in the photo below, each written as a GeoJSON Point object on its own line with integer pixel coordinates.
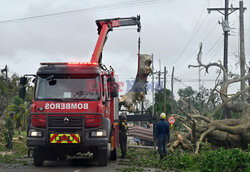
{"type": "Point", "coordinates": [123, 128]}
{"type": "Point", "coordinates": [163, 135]}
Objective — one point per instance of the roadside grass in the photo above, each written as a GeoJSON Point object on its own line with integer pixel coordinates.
{"type": "Point", "coordinates": [18, 151]}
{"type": "Point", "coordinates": [207, 160]}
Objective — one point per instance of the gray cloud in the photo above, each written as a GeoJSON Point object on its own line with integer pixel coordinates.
{"type": "Point", "coordinates": [166, 30]}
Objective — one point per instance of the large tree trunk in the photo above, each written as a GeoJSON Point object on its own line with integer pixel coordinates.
{"type": "Point", "coordinates": [138, 90]}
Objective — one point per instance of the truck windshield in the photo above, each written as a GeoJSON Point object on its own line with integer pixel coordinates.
{"type": "Point", "coordinates": [66, 87]}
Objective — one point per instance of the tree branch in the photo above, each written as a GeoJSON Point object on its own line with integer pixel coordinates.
{"type": "Point", "coordinates": [224, 103]}
{"type": "Point", "coordinates": [201, 138]}
{"type": "Point", "coordinates": [219, 65]}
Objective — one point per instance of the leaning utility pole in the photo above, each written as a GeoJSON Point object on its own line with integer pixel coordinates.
{"type": "Point", "coordinates": [165, 92]}
{"type": "Point", "coordinates": [242, 51]}
{"type": "Point", "coordinates": [225, 26]}
{"type": "Point", "coordinates": [172, 91]}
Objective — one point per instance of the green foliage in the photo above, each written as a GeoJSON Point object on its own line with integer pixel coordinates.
{"type": "Point", "coordinates": [199, 100]}
{"type": "Point", "coordinates": [19, 150]}
{"type": "Point", "coordinates": [224, 160]}
{"type": "Point", "coordinates": [208, 160]}
{"type": "Point", "coordinates": [7, 90]}
{"type": "Point", "coordinates": [22, 110]}
{"type": "Point", "coordinates": [159, 103]}
{"type": "Point", "coordinates": [186, 92]}
{"type": "Point", "coordinates": [9, 100]}
{"type": "Point", "coordinates": [206, 146]}
{"type": "Point", "coordinates": [3, 131]}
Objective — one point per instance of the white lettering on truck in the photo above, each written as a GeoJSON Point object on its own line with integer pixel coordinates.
{"type": "Point", "coordinates": [66, 106]}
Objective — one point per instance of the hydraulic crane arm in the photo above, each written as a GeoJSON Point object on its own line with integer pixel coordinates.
{"type": "Point", "coordinates": [106, 25]}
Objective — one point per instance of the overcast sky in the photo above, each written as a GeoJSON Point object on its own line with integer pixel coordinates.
{"type": "Point", "coordinates": [171, 30]}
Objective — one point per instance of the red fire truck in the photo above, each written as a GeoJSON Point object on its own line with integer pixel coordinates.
{"type": "Point", "coordinates": [75, 105]}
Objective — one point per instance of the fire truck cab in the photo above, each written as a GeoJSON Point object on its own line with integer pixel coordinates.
{"type": "Point", "coordinates": [73, 110]}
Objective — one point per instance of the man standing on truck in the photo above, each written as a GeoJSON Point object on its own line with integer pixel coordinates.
{"type": "Point", "coordinates": [162, 135]}
{"type": "Point", "coordinates": [123, 128]}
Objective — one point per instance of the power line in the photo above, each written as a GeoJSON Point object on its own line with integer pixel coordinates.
{"type": "Point", "coordinates": [203, 41]}
{"type": "Point", "coordinates": [192, 36]}
{"type": "Point", "coordinates": [85, 10]}
{"type": "Point", "coordinates": [211, 48]}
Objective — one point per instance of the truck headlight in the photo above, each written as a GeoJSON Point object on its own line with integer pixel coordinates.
{"type": "Point", "coordinates": [99, 133]}
{"type": "Point", "coordinates": [34, 133]}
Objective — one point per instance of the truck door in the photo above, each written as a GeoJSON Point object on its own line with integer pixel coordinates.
{"type": "Point", "coordinates": [105, 97]}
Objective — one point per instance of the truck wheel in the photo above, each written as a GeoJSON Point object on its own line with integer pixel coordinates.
{"type": "Point", "coordinates": [113, 155]}
{"type": "Point", "coordinates": [38, 157]}
{"type": "Point", "coordinates": [103, 157]}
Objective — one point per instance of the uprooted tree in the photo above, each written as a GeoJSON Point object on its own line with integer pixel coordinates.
{"type": "Point", "coordinates": [226, 132]}
{"type": "Point", "coordinates": [138, 90]}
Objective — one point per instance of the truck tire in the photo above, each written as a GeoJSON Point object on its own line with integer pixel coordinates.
{"type": "Point", "coordinates": [103, 157]}
{"type": "Point", "coordinates": [113, 155]}
{"type": "Point", "coordinates": [38, 157]}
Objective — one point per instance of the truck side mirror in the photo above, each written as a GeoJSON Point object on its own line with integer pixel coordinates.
{"type": "Point", "coordinates": [22, 92]}
{"type": "Point", "coordinates": [113, 87]}
{"type": "Point", "coordinates": [23, 80]}
{"type": "Point", "coordinates": [114, 92]}
{"type": "Point", "coordinates": [111, 80]}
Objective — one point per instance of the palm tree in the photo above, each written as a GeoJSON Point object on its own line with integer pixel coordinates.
{"type": "Point", "coordinates": [22, 110]}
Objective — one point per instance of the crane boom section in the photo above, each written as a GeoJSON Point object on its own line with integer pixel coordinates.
{"type": "Point", "coordinates": [106, 25]}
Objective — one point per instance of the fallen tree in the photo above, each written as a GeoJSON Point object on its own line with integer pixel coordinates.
{"type": "Point", "coordinates": [226, 132]}
{"type": "Point", "coordinates": [138, 90]}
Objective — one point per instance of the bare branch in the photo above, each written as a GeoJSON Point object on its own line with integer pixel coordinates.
{"type": "Point", "coordinates": [201, 117]}
{"type": "Point", "coordinates": [246, 77]}
{"type": "Point", "coordinates": [210, 97]}
{"type": "Point", "coordinates": [202, 137]}
{"type": "Point", "coordinates": [219, 65]}
{"type": "Point", "coordinates": [224, 93]}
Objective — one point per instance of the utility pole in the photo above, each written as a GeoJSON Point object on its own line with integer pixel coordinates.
{"type": "Point", "coordinates": [159, 74]}
{"type": "Point", "coordinates": [142, 107]}
{"type": "Point", "coordinates": [248, 99]}
{"type": "Point", "coordinates": [226, 30]}
{"type": "Point", "coordinates": [225, 26]}
{"type": "Point", "coordinates": [199, 86]}
{"type": "Point", "coordinates": [153, 87]}
{"type": "Point", "coordinates": [242, 51]}
{"type": "Point", "coordinates": [153, 102]}
{"type": "Point", "coordinates": [165, 93]}
{"type": "Point", "coordinates": [172, 91]}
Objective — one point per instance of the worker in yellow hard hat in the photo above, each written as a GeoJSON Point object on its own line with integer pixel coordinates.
{"type": "Point", "coordinates": [123, 128]}
{"type": "Point", "coordinates": [162, 135]}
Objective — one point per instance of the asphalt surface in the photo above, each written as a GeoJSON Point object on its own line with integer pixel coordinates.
{"type": "Point", "coordinates": [59, 166]}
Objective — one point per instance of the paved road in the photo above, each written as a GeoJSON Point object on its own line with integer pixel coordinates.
{"type": "Point", "coordinates": [58, 166]}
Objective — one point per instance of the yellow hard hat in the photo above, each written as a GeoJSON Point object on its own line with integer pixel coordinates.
{"type": "Point", "coordinates": [163, 116]}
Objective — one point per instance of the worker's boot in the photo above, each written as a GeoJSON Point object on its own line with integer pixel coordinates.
{"type": "Point", "coordinates": [123, 155]}
{"type": "Point", "coordinates": [161, 156]}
